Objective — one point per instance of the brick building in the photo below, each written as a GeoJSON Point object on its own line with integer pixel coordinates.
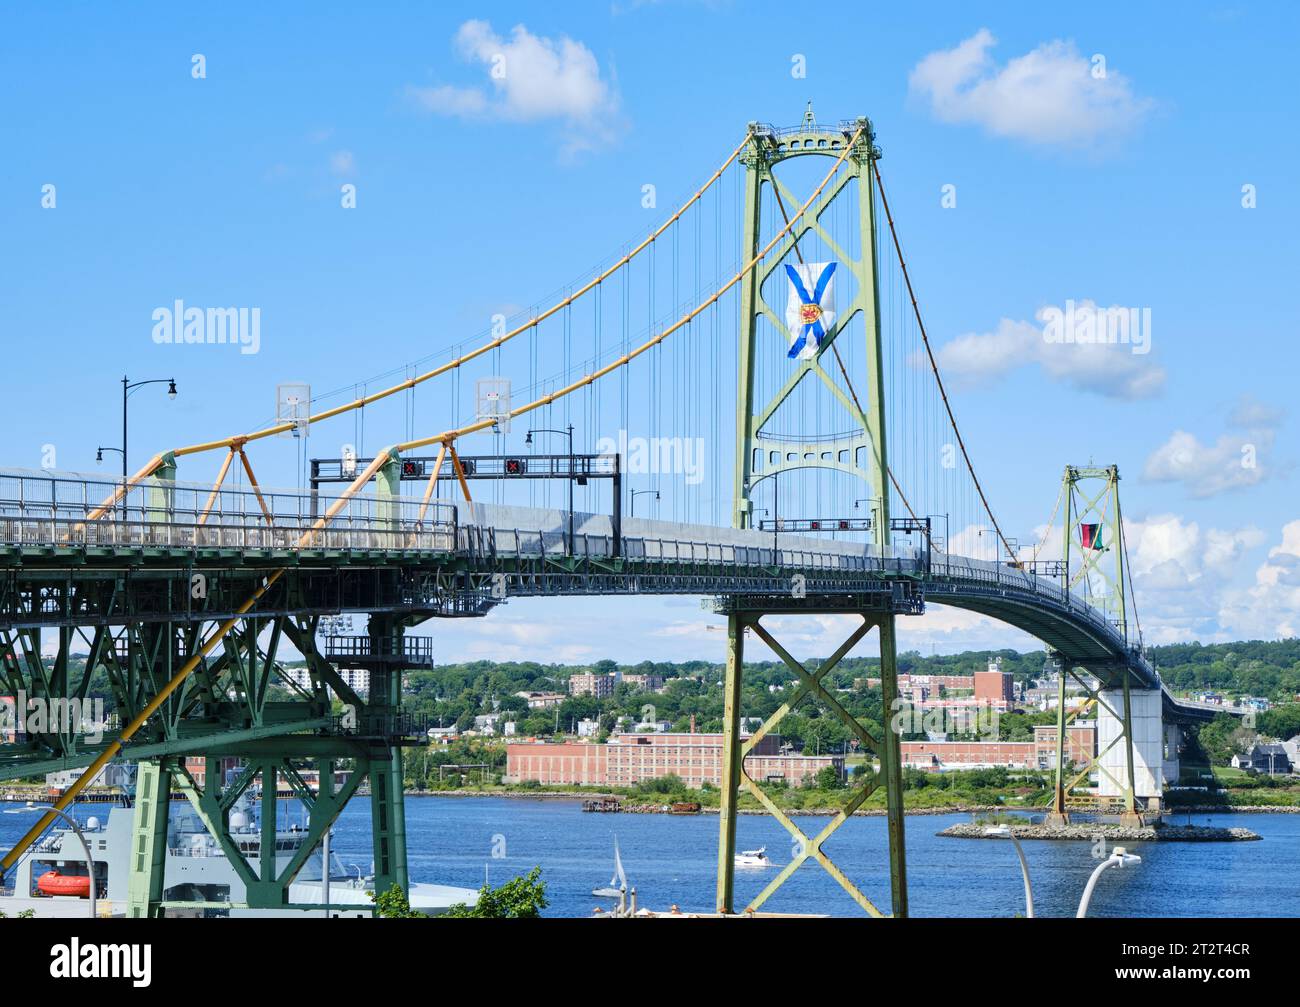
{"type": "Point", "coordinates": [542, 700]}
{"type": "Point", "coordinates": [936, 756]}
{"type": "Point", "coordinates": [995, 687]}
{"type": "Point", "coordinates": [569, 762]}
{"type": "Point", "coordinates": [591, 684]}
{"type": "Point", "coordinates": [648, 683]}
{"type": "Point", "coordinates": [1080, 744]}
{"type": "Point", "coordinates": [930, 683]}
{"type": "Point", "coordinates": [629, 759]}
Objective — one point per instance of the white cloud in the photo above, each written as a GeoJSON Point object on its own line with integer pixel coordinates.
{"type": "Point", "coordinates": [1166, 543]}
{"type": "Point", "coordinates": [444, 99]}
{"type": "Point", "coordinates": [1206, 469]}
{"type": "Point", "coordinates": [974, 542]}
{"type": "Point", "coordinates": [1271, 607]}
{"type": "Point", "coordinates": [1181, 573]}
{"type": "Point", "coordinates": [342, 162]}
{"type": "Point", "coordinates": [531, 78]}
{"type": "Point", "coordinates": [942, 628]}
{"type": "Point", "coordinates": [1111, 369]}
{"type": "Point", "coordinates": [1234, 460]}
{"type": "Point", "coordinates": [506, 635]}
{"type": "Point", "coordinates": [1052, 95]}
{"type": "Point", "coordinates": [948, 630]}
{"type": "Point", "coordinates": [1253, 414]}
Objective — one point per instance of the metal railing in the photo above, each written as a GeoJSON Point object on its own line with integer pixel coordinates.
{"type": "Point", "coordinates": [418, 649]}
{"type": "Point", "coordinates": [42, 509]}
{"type": "Point", "coordinates": [391, 725]}
{"type": "Point", "coordinates": [964, 575]}
{"type": "Point", "coordinates": [60, 511]}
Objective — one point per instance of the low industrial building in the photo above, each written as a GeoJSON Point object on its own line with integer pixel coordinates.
{"type": "Point", "coordinates": [628, 759]}
{"type": "Point", "coordinates": [1039, 754]}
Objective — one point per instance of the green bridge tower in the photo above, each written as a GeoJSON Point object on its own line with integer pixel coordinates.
{"type": "Point", "coordinates": [762, 455]}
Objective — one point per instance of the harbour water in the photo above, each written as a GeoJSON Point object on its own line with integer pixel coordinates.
{"type": "Point", "coordinates": [672, 860]}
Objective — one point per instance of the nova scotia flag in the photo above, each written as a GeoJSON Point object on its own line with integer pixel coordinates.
{"type": "Point", "coordinates": [810, 310]}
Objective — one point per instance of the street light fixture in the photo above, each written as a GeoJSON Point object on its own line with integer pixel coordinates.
{"type": "Point", "coordinates": [127, 387]}
{"type": "Point", "coordinates": [1119, 857]}
{"type": "Point", "coordinates": [635, 494]}
{"type": "Point", "coordinates": [72, 822]}
{"type": "Point", "coordinates": [1005, 830]}
{"type": "Point", "coordinates": [528, 439]}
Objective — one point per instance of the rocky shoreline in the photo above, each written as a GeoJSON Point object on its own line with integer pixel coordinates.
{"type": "Point", "coordinates": [1092, 831]}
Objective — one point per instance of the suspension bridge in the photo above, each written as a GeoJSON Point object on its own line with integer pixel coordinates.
{"type": "Point", "coordinates": [778, 286]}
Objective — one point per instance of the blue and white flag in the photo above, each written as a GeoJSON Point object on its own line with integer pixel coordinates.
{"type": "Point", "coordinates": [810, 310]}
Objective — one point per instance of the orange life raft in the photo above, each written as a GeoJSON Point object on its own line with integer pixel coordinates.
{"type": "Point", "coordinates": [54, 883]}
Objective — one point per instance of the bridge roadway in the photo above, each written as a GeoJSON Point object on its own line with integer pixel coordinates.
{"type": "Point", "coordinates": [58, 568]}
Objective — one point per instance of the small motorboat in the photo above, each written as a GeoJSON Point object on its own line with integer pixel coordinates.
{"type": "Point", "coordinates": [752, 858]}
{"type": "Point", "coordinates": [617, 886]}
{"type": "Point", "coordinates": [54, 883]}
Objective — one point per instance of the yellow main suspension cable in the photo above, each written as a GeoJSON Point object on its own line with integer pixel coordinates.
{"type": "Point", "coordinates": [493, 344]}
{"type": "Point", "coordinates": [451, 365]}
{"type": "Point", "coordinates": [451, 435]}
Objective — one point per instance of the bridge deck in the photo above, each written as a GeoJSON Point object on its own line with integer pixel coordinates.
{"type": "Point", "coordinates": [48, 524]}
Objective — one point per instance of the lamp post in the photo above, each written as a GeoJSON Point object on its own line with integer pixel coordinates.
{"type": "Point", "coordinates": [1119, 857]}
{"type": "Point", "coordinates": [776, 516]}
{"type": "Point", "coordinates": [127, 387]}
{"type": "Point", "coordinates": [72, 822]}
{"type": "Point", "coordinates": [99, 453]}
{"type": "Point", "coordinates": [528, 439]}
{"type": "Point", "coordinates": [99, 460]}
{"type": "Point", "coordinates": [1005, 830]}
{"type": "Point", "coordinates": [325, 870]}
{"type": "Point", "coordinates": [635, 494]}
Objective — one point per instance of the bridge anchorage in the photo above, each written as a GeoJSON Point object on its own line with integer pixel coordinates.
{"type": "Point", "coordinates": [186, 597]}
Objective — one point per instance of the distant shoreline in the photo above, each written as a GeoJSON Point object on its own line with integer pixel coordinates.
{"type": "Point", "coordinates": [963, 809]}
{"type": "Point", "coordinates": [643, 807]}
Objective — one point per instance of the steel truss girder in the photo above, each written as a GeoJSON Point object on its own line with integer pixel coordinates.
{"type": "Point", "coordinates": [82, 597]}
{"type": "Point", "coordinates": [226, 697]}
{"type": "Point", "coordinates": [373, 756]}
{"type": "Point", "coordinates": [266, 885]}
{"type": "Point", "coordinates": [897, 597]}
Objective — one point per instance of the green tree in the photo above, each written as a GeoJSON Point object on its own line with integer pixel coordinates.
{"type": "Point", "coordinates": [394, 905]}
{"type": "Point", "coordinates": [519, 899]}
{"type": "Point", "coordinates": [1281, 722]}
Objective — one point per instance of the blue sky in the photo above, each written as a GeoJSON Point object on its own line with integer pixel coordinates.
{"type": "Point", "coordinates": [473, 199]}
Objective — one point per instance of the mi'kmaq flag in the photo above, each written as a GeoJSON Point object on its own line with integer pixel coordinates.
{"type": "Point", "coordinates": [1090, 537]}
{"type": "Point", "coordinates": [810, 309]}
